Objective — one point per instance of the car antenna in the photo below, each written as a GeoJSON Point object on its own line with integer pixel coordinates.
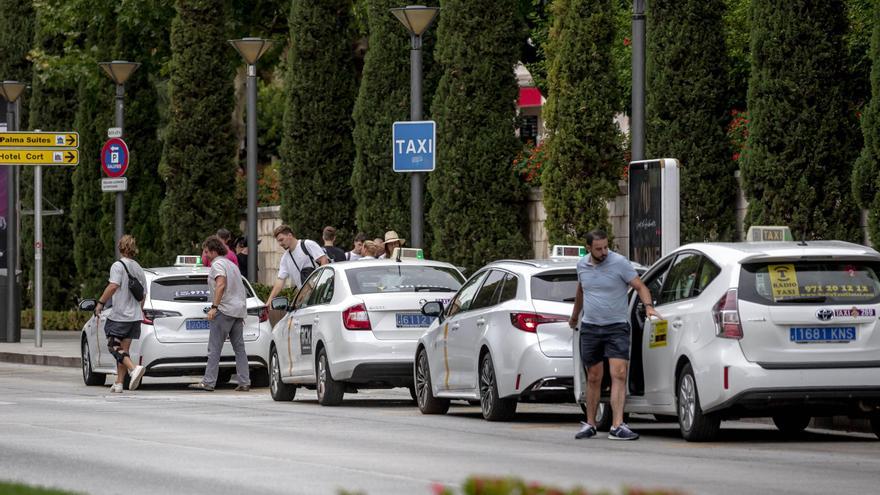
{"type": "Point", "coordinates": [803, 237]}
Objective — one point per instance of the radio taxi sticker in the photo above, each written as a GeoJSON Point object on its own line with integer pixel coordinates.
{"type": "Point", "coordinates": [855, 312]}
{"type": "Point", "coordinates": [783, 281]}
{"type": "Point", "coordinates": [658, 334]}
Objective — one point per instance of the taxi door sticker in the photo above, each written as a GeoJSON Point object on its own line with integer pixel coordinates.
{"type": "Point", "coordinates": [446, 354]}
{"type": "Point", "coordinates": [783, 281]}
{"type": "Point", "coordinates": [305, 339]}
{"type": "Point", "coordinates": [658, 334]}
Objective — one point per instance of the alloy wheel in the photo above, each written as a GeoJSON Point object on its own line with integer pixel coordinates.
{"type": "Point", "coordinates": [86, 360]}
{"type": "Point", "coordinates": [276, 373]}
{"type": "Point", "coordinates": [487, 384]}
{"type": "Point", "coordinates": [421, 383]}
{"type": "Point", "coordinates": [687, 401]}
{"type": "Point", "coordinates": [322, 376]}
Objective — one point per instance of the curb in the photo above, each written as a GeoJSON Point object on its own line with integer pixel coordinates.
{"type": "Point", "coordinates": [39, 359]}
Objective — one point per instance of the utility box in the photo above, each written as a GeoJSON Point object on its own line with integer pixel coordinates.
{"type": "Point", "coordinates": [8, 334]}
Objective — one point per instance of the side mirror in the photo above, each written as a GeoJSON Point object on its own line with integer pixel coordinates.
{"type": "Point", "coordinates": [433, 308]}
{"type": "Point", "coordinates": [88, 305]}
{"type": "Point", "coordinates": [280, 304]}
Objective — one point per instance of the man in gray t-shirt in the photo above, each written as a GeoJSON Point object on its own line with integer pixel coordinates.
{"type": "Point", "coordinates": [227, 313]}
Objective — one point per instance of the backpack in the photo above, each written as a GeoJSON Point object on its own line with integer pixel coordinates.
{"type": "Point", "coordinates": [305, 271]}
{"type": "Point", "coordinates": [134, 285]}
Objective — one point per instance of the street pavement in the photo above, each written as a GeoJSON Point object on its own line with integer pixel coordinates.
{"type": "Point", "coordinates": [164, 438]}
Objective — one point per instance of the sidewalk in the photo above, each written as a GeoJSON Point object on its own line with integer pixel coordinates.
{"type": "Point", "coordinates": [59, 349]}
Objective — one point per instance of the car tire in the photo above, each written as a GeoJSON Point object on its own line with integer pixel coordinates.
{"type": "Point", "coordinates": [791, 424]}
{"type": "Point", "coordinates": [224, 375]}
{"type": "Point", "coordinates": [428, 404]}
{"type": "Point", "coordinates": [281, 392]}
{"type": "Point", "coordinates": [875, 424]}
{"type": "Point", "coordinates": [90, 378]}
{"type": "Point", "coordinates": [492, 406]}
{"type": "Point", "coordinates": [260, 378]}
{"type": "Point", "coordinates": [604, 416]}
{"type": "Point", "coordinates": [694, 425]}
{"type": "Point", "coordinates": [330, 392]}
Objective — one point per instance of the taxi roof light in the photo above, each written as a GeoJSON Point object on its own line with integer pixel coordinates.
{"type": "Point", "coordinates": [771, 233]}
{"type": "Point", "coordinates": [560, 251]}
{"type": "Point", "coordinates": [401, 253]}
{"type": "Point", "coordinates": [188, 260]}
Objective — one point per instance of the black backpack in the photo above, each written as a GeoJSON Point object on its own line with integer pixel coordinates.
{"type": "Point", "coordinates": [305, 271]}
{"type": "Point", "coordinates": [134, 285]}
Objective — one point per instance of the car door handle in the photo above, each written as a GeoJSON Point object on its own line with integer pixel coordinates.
{"type": "Point", "coordinates": [317, 319]}
{"type": "Point", "coordinates": [454, 327]}
{"type": "Point", "coordinates": [677, 324]}
{"type": "Point", "coordinates": [481, 322]}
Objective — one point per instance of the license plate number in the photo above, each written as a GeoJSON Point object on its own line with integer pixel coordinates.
{"type": "Point", "coordinates": [198, 324]}
{"type": "Point", "coordinates": [807, 335]}
{"type": "Point", "coordinates": [413, 320]}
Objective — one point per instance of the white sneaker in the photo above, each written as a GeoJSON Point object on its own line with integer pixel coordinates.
{"type": "Point", "coordinates": [116, 388]}
{"type": "Point", "coordinates": [136, 375]}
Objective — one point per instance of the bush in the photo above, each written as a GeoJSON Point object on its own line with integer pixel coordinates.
{"type": "Point", "coordinates": [476, 485]}
{"type": "Point", "coordinates": [72, 320]}
{"type": "Point", "coordinates": [262, 291]}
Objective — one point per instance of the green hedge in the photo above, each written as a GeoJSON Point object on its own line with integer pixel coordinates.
{"type": "Point", "coordinates": [72, 320]}
{"type": "Point", "coordinates": [263, 291]}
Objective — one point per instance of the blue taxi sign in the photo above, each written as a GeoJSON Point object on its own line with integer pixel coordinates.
{"type": "Point", "coordinates": [414, 146]}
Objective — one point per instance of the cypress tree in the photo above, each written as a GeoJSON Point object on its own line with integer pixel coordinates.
{"type": "Point", "coordinates": [317, 149]}
{"type": "Point", "coordinates": [802, 132]}
{"type": "Point", "coordinates": [584, 159]}
{"type": "Point", "coordinates": [688, 94]}
{"type": "Point", "coordinates": [866, 171]}
{"type": "Point", "coordinates": [16, 39]}
{"type": "Point", "coordinates": [199, 156]}
{"type": "Point", "coordinates": [475, 214]}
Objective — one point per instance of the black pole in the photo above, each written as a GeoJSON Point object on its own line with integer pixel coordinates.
{"type": "Point", "coordinates": [120, 196]}
{"type": "Point", "coordinates": [11, 235]}
{"type": "Point", "coordinates": [252, 172]}
{"type": "Point", "coordinates": [637, 123]}
{"type": "Point", "coordinates": [417, 179]}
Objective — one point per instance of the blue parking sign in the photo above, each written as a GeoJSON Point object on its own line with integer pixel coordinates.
{"type": "Point", "coordinates": [414, 145]}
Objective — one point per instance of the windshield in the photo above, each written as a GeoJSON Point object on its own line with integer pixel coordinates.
{"type": "Point", "coordinates": [558, 287]}
{"type": "Point", "coordinates": [183, 289]}
{"type": "Point", "coordinates": [828, 282]}
{"type": "Point", "coordinates": [403, 278]}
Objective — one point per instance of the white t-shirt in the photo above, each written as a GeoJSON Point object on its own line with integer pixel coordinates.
{"type": "Point", "coordinates": [288, 269]}
{"type": "Point", "coordinates": [234, 300]}
{"type": "Point", "coordinates": [125, 307]}
{"type": "Point", "coordinates": [352, 256]}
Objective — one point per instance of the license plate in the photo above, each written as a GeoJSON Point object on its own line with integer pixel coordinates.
{"type": "Point", "coordinates": [413, 320]}
{"type": "Point", "coordinates": [198, 324]}
{"type": "Point", "coordinates": [807, 335]}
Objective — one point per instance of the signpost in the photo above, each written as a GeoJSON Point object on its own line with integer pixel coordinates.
{"type": "Point", "coordinates": [414, 146]}
{"type": "Point", "coordinates": [39, 140]}
{"type": "Point", "coordinates": [39, 157]}
{"type": "Point", "coordinates": [114, 157]}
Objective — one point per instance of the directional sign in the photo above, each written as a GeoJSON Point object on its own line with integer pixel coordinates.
{"type": "Point", "coordinates": [114, 157]}
{"type": "Point", "coordinates": [414, 146]}
{"type": "Point", "coordinates": [39, 140]}
{"type": "Point", "coordinates": [39, 157]}
{"type": "Point", "coordinates": [114, 185]}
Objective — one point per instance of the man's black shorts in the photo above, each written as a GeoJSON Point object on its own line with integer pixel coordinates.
{"type": "Point", "coordinates": [123, 329]}
{"type": "Point", "coordinates": [604, 341]}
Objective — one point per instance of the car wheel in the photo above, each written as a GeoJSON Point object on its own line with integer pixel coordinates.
{"type": "Point", "coordinates": [260, 378]}
{"type": "Point", "coordinates": [695, 426]}
{"type": "Point", "coordinates": [90, 378]}
{"type": "Point", "coordinates": [330, 391]}
{"type": "Point", "coordinates": [791, 424]}
{"type": "Point", "coordinates": [493, 407]}
{"type": "Point", "coordinates": [875, 424]}
{"type": "Point", "coordinates": [428, 404]}
{"type": "Point", "coordinates": [604, 417]}
{"type": "Point", "coordinates": [281, 392]}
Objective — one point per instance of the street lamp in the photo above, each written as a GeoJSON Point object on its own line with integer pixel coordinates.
{"type": "Point", "coordinates": [251, 49]}
{"type": "Point", "coordinates": [416, 19]}
{"type": "Point", "coordinates": [11, 91]}
{"type": "Point", "coordinates": [637, 123]}
{"type": "Point", "coordinates": [119, 71]}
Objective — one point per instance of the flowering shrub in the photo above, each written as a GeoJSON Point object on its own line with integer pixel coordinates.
{"type": "Point", "coordinates": [268, 186]}
{"type": "Point", "coordinates": [528, 163]}
{"type": "Point", "coordinates": [513, 486]}
{"type": "Point", "coordinates": [738, 133]}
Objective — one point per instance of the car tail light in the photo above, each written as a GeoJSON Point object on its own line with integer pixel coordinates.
{"type": "Point", "coordinates": [356, 318]}
{"type": "Point", "coordinates": [151, 314]}
{"type": "Point", "coordinates": [726, 314]}
{"type": "Point", "coordinates": [262, 312]}
{"type": "Point", "coordinates": [529, 322]}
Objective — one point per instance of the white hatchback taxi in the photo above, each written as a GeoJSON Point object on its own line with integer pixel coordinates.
{"type": "Point", "coordinates": [174, 332]}
{"type": "Point", "coordinates": [354, 325]}
{"type": "Point", "coordinates": [780, 329]}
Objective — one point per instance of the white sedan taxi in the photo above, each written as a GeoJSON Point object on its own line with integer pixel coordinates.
{"type": "Point", "coordinates": [174, 332]}
{"type": "Point", "coordinates": [354, 325]}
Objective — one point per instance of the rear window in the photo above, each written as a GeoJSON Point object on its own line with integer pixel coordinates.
{"type": "Point", "coordinates": [558, 287]}
{"type": "Point", "coordinates": [403, 278]}
{"type": "Point", "coordinates": [811, 282]}
{"type": "Point", "coordinates": [184, 289]}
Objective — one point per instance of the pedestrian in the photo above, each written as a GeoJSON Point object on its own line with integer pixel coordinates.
{"type": "Point", "coordinates": [241, 254]}
{"type": "Point", "coordinates": [224, 236]}
{"type": "Point", "coordinates": [227, 313]}
{"type": "Point", "coordinates": [392, 242]}
{"type": "Point", "coordinates": [604, 278]}
{"type": "Point", "coordinates": [372, 250]}
{"type": "Point", "coordinates": [299, 260]}
{"type": "Point", "coordinates": [381, 243]}
{"type": "Point", "coordinates": [358, 249]}
{"type": "Point", "coordinates": [126, 313]}
{"type": "Point", "coordinates": [334, 253]}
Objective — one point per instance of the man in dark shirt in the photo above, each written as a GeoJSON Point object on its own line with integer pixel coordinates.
{"type": "Point", "coordinates": [334, 253]}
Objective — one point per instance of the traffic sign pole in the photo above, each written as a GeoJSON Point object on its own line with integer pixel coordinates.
{"type": "Point", "coordinates": [38, 256]}
{"type": "Point", "coordinates": [120, 196]}
{"type": "Point", "coordinates": [417, 179]}
{"type": "Point", "coordinates": [12, 318]}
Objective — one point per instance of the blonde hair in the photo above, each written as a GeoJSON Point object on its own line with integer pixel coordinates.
{"type": "Point", "coordinates": [372, 248]}
{"type": "Point", "coordinates": [127, 246]}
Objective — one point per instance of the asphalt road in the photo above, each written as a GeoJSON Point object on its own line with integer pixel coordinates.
{"type": "Point", "coordinates": [163, 438]}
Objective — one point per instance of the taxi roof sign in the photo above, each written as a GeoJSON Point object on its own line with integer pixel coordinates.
{"type": "Point", "coordinates": [769, 233]}
{"type": "Point", "coordinates": [561, 251]}
{"type": "Point", "coordinates": [188, 260]}
{"type": "Point", "coordinates": [407, 253]}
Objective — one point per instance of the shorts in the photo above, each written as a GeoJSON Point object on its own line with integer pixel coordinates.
{"type": "Point", "coordinates": [604, 341]}
{"type": "Point", "coordinates": [123, 329]}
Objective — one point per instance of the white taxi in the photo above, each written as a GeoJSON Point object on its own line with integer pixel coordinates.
{"type": "Point", "coordinates": [355, 325]}
{"type": "Point", "coordinates": [174, 331]}
{"type": "Point", "coordinates": [780, 329]}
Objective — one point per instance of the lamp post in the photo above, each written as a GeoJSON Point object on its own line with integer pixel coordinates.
{"type": "Point", "coordinates": [11, 91]}
{"type": "Point", "coordinates": [416, 19]}
{"type": "Point", "coordinates": [119, 71]}
{"type": "Point", "coordinates": [251, 49]}
{"type": "Point", "coordinates": [637, 123]}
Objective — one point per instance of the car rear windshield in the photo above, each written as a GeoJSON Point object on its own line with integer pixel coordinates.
{"type": "Point", "coordinates": [810, 282]}
{"type": "Point", "coordinates": [184, 289]}
{"type": "Point", "coordinates": [403, 278]}
{"type": "Point", "coordinates": [558, 287]}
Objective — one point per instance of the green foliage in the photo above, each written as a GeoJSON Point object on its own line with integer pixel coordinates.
{"type": "Point", "coordinates": [198, 164]}
{"type": "Point", "coordinates": [479, 485]}
{"type": "Point", "coordinates": [69, 320]}
{"type": "Point", "coordinates": [687, 89]}
{"type": "Point", "coordinates": [736, 35]}
{"type": "Point", "coordinates": [16, 38]}
{"type": "Point", "coordinates": [270, 119]}
{"type": "Point", "coordinates": [317, 149]}
{"type": "Point", "coordinates": [476, 214]}
{"type": "Point", "coordinates": [866, 171]}
{"type": "Point", "coordinates": [801, 128]}
{"type": "Point", "coordinates": [20, 489]}
{"type": "Point", "coordinates": [529, 163]}
{"type": "Point", "coordinates": [584, 158]}
{"type": "Point", "coordinates": [262, 291]}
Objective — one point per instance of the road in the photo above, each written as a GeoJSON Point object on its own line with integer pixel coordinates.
{"type": "Point", "coordinates": [163, 438]}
